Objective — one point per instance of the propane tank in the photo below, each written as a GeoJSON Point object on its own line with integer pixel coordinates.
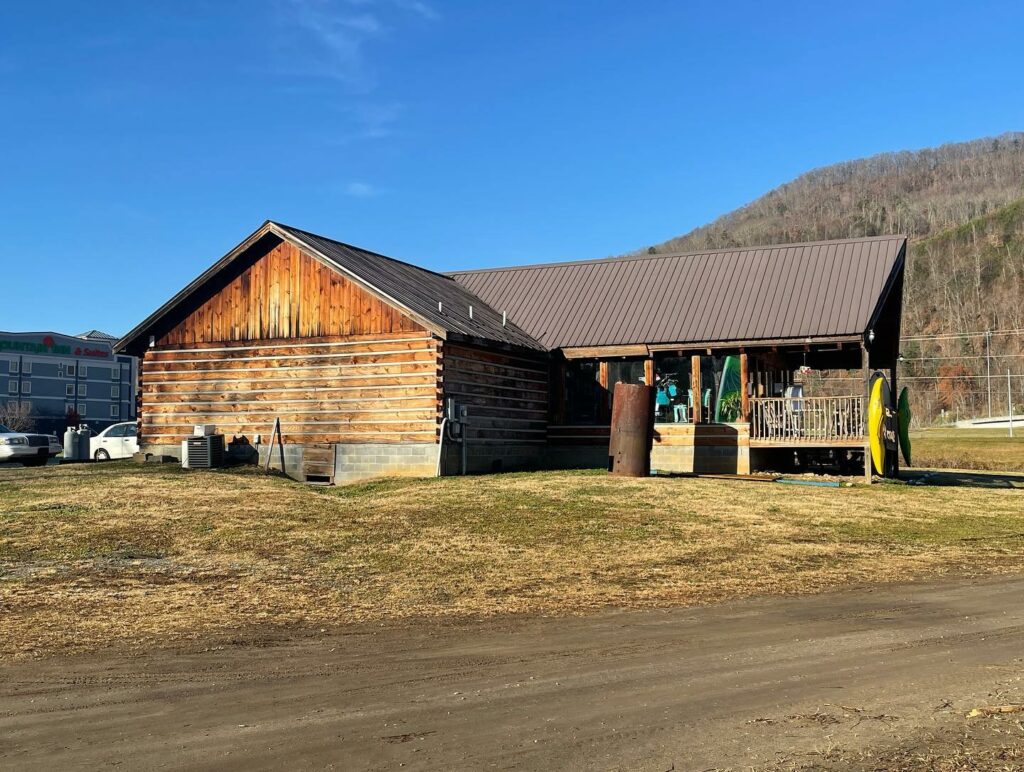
{"type": "Point", "coordinates": [70, 445]}
{"type": "Point", "coordinates": [84, 451]}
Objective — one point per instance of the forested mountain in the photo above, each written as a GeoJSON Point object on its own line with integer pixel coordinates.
{"type": "Point", "coordinates": [962, 205]}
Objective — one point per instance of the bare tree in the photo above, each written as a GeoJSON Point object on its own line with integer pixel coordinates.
{"type": "Point", "coordinates": [17, 417]}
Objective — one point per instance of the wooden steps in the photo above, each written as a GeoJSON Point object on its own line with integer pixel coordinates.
{"type": "Point", "coordinates": [318, 463]}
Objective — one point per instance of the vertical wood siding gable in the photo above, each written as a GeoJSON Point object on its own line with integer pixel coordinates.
{"type": "Point", "coordinates": [285, 293]}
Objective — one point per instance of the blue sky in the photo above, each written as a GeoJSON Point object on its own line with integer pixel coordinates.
{"type": "Point", "coordinates": [141, 140]}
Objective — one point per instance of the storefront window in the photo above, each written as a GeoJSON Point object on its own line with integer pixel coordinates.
{"type": "Point", "coordinates": [674, 398]}
{"type": "Point", "coordinates": [625, 371]}
{"type": "Point", "coordinates": [587, 403]}
{"type": "Point", "coordinates": [672, 395]}
{"type": "Point", "coordinates": [720, 383]}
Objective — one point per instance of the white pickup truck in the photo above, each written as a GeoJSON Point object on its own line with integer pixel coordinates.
{"type": "Point", "coordinates": [27, 448]}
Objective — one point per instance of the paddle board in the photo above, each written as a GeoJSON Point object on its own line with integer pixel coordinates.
{"type": "Point", "coordinates": [729, 391]}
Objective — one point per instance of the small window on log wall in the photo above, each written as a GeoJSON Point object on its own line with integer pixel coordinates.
{"type": "Point", "coordinates": [582, 391]}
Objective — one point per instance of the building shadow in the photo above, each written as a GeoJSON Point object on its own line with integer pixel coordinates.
{"type": "Point", "coordinates": [955, 478]}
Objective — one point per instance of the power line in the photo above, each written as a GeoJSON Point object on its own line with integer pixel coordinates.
{"type": "Point", "coordinates": [961, 356]}
{"type": "Point", "coordinates": [947, 336]}
{"type": "Point", "coordinates": [953, 377]}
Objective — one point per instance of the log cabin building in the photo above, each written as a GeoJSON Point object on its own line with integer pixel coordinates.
{"type": "Point", "coordinates": [378, 367]}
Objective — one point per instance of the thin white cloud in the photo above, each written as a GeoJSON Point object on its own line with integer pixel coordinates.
{"type": "Point", "coordinates": [424, 10]}
{"type": "Point", "coordinates": [323, 43]}
{"type": "Point", "coordinates": [373, 120]}
{"type": "Point", "coordinates": [361, 190]}
{"type": "Point", "coordinates": [335, 35]}
{"type": "Point", "coordinates": [420, 7]}
{"type": "Point", "coordinates": [334, 38]}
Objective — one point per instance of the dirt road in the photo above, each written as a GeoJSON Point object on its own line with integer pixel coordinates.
{"type": "Point", "coordinates": [754, 683]}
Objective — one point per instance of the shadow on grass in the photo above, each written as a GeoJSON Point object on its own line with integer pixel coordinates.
{"type": "Point", "coordinates": [953, 478]}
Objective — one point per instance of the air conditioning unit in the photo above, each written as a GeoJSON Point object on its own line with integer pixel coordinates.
{"type": "Point", "coordinates": [203, 452]}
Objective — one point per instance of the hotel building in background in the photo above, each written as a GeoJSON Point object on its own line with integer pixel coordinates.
{"type": "Point", "coordinates": [55, 374]}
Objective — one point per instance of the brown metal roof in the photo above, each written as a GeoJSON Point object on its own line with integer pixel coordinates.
{"type": "Point", "coordinates": [419, 290]}
{"type": "Point", "coordinates": [788, 291]}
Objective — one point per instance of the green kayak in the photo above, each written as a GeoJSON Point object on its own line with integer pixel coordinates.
{"type": "Point", "coordinates": [903, 423]}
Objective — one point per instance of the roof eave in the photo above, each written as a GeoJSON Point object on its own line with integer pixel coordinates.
{"type": "Point", "coordinates": [140, 329]}
{"type": "Point", "coordinates": [643, 349]}
{"type": "Point", "coordinates": [890, 282]}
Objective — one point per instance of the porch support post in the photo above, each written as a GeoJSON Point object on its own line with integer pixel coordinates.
{"type": "Point", "coordinates": [744, 388]}
{"type": "Point", "coordinates": [604, 409]}
{"type": "Point", "coordinates": [649, 371]}
{"type": "Point", "coordinates": [695, 387]}
{"type": "Point", "coordinates": [866, 370]}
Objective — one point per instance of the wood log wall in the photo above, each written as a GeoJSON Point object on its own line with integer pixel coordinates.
{"type": "Point", "coordinates": [563, 434]}
{"type": "Point", "coordinates": [286, 336]}
{"type": "Point", "coordinates": [507, 393]}
{"type": "Point", "coordinates": [371, 388]}
{"type": "Point", "coordinates": [702, 435]}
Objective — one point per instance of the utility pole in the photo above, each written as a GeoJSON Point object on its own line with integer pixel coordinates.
{"type": "Point", "coordinates": [1009, 399]}
{"type": "Point", "coordinates": [988, 368]}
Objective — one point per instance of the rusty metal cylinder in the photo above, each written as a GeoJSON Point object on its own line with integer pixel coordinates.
{"type": "Point", "coordinates": [629, 447]}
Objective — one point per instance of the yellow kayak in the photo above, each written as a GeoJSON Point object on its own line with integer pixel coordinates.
{"type": "Point", "coordinates": [876, 416]}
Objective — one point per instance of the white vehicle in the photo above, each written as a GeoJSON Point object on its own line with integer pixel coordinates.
{"type": "Point", "coordinates": [27, 448]}
{"type": "Point", "coordinates": [117, 441]}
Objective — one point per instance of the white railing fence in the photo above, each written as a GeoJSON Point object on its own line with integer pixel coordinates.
{"type": "Point", "coordinates": [807, 419]}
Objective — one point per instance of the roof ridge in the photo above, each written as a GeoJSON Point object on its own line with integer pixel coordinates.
{"type": "Point", "coordinates": [95, 332]}
{"type": "Point", "coordinates": [422, 292]}
{"type": "Point", "coordinates": [698, 253]}
{"type": "Point", "coordinates": [345, 244]}
{"type": "Point", "coordinates": [44, 332]}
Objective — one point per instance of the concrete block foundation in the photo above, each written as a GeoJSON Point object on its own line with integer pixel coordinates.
{"type": "Point", "coordinates": [682, 451]}
{"type": "Point", "coordinates": [362, 461]}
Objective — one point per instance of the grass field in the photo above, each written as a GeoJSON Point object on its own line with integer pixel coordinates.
{"type": "Point", "coordinates": [990, 449]}
{"type": "Point", "coordinates": [126, 555]}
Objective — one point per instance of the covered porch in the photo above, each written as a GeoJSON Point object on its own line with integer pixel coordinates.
{"type": "Point", "coordinates": [735, 408]}
{"type": "Point", "coordinates": [791, 392]}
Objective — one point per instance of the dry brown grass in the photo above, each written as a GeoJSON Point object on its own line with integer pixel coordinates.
{"type": "Point", "coordinates": [127, 555]}
{"type": "Point", "coordinates": [991, 449]}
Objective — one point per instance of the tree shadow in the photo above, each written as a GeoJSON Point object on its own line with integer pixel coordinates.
{"type": "Point", "coordinates": [956, 478]}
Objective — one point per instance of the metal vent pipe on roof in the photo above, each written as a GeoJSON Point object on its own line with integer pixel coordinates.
{"type": "Point", "coordinates": [471, 312]}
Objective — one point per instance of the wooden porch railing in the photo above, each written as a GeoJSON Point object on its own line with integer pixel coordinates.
{"type": "Point", "coordinates": [817, 420]}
